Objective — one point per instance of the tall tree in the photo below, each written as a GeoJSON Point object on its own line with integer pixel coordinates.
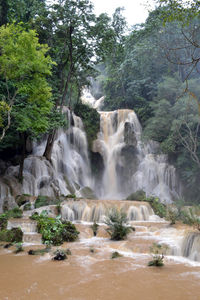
{"type": "Point", "coordinates": [24, 68]}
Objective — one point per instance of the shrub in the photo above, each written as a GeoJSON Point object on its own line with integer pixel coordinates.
{"type": "Point", "coordinates": [190, 218]}
{"type": "Point", "coordinates": [14, 235]}
{"type": "Point", "coordinates": [117, 224]}
{"type": "Point", "coordinates": [157, 251]}
{"type": "Point", "coordinates": [54, 231]}
{"type": "Point", "coordinates": [158, 207]}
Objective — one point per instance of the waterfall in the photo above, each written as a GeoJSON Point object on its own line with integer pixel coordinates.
{"type": "Point", "coordinates": [191, 246]}
{"type": "Point", "coordinates": [131, 164]}
{"type": "Point", "coordinates": [68, 172]}
{"type": "Point", "coordinates": [90, 211]}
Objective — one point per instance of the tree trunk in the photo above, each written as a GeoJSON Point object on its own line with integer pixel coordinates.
{"type": "Point", "coordinates": [21, 164]}
{"type": "Point", "coordinates": [49, 145]}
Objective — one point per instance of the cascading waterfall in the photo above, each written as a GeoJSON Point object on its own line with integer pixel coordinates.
{"type": "Point", "coordinates": [91, 211]}
{"type": "Point", "coordinates": [130, 164]}
{"type": "Point", "coordinates": [68, 173]}
{"type": "Point", "coordinates": [191, 246]}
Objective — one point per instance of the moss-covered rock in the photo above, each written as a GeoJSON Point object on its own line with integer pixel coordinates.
{"type": "Point", "coordinates": [88, 193]}
{"type": "Point", "coordinates": [91, 121]}
{"type": "Point", "coordinates": [116, 255]}
{"type": "Point", "coordinates": [45, 201]}
{"type": "Point", "coordinates": [139, 195]}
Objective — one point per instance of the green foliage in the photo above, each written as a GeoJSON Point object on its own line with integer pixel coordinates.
{"type": "Point", "coordinates": [45, 200]}
{"type": "Point", "coordinates": [55, 231]}
{"type": "Point", "coordinates": [158, 207]}
{"type": "Point", "coordinates": [172, 215]}
{"type": "Point", "coordinates": [139, 195]}
{"type": "Point", "coordinates": [71, 196]}
{"type": "Point", "coordinates": [13, 213]}
{"type": "Point", "coordinates": [117, 224]}
{"type": "Point", "coordinates": [41, 201]}
{"type": "Point", "coordinates": [116, 255]}
{"type": "Point", "coordinates": [24, 67]}
{"type": "Point", "coordinates": [157, 255]}
{"type": "Point", "coordinates": [91, 121]}
{"type": "Point", "coordinates": [183, 11]}
{"type": "Point", "coordinates": [14, 235]}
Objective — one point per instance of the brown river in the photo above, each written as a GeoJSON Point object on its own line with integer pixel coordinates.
{"type": "Point", "coordinates": [90, 273]}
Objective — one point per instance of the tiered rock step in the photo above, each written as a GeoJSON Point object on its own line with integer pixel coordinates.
{"type": "Point", "coordinates": [29, 228]}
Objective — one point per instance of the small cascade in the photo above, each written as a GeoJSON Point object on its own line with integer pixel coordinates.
{"type": "Point", "coordinates": [28, 227]}
{"type": "Point", "coordinates": [130, 164]}
{"type": "Point", "coordinates": [191, 246]}
{"type": "Point", "coordinates": [91, 211]}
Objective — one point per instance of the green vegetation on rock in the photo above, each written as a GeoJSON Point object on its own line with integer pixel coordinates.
{"type": "Point", "coordinates": [14, 235]}
{"type": "Point", "coordinates": [13, 213]}
{"type": "Point", "coordinates": [55, 231]}
{"type": "Point", "coordinates": [91, 121]}
{"type": "Point", "coordinates": [139, 195]}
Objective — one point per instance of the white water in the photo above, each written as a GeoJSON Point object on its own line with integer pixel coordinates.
{"type": "Point", "coordinates": [130, 164]}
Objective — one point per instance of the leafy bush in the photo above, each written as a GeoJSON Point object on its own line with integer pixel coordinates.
{"type": "Point", "coordinates": [54, 231]}
{"type": "Point", "coordinates": [139, 195]}
{"type": "Point", "coordinates": [158, 207]}
{"type": "Point", "coordinates": [157, 251]}
{"type": "Point", "coordinates": [190, 218]}
{"type": "Point", "coordinates": [14, 235]}
{"type": "Point", "coordinates": [117, 224]}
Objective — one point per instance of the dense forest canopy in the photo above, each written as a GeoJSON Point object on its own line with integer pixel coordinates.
{"type": "Point", "coordinates": [48, 53]}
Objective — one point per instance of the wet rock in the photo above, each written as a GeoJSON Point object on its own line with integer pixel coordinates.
{"type": "Point", "coordinates": [60, 255]}
{"type": "Point", "coordinates": [129, 134]}
{"type": "Point", "coordinates": [88, 193]}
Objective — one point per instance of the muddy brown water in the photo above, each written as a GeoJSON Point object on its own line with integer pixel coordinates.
{"type": "Point", "coordinates": [93, 275]}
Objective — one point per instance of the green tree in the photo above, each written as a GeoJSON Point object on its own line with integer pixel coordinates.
{"type": "Point", "coordinates": [24, 69]}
